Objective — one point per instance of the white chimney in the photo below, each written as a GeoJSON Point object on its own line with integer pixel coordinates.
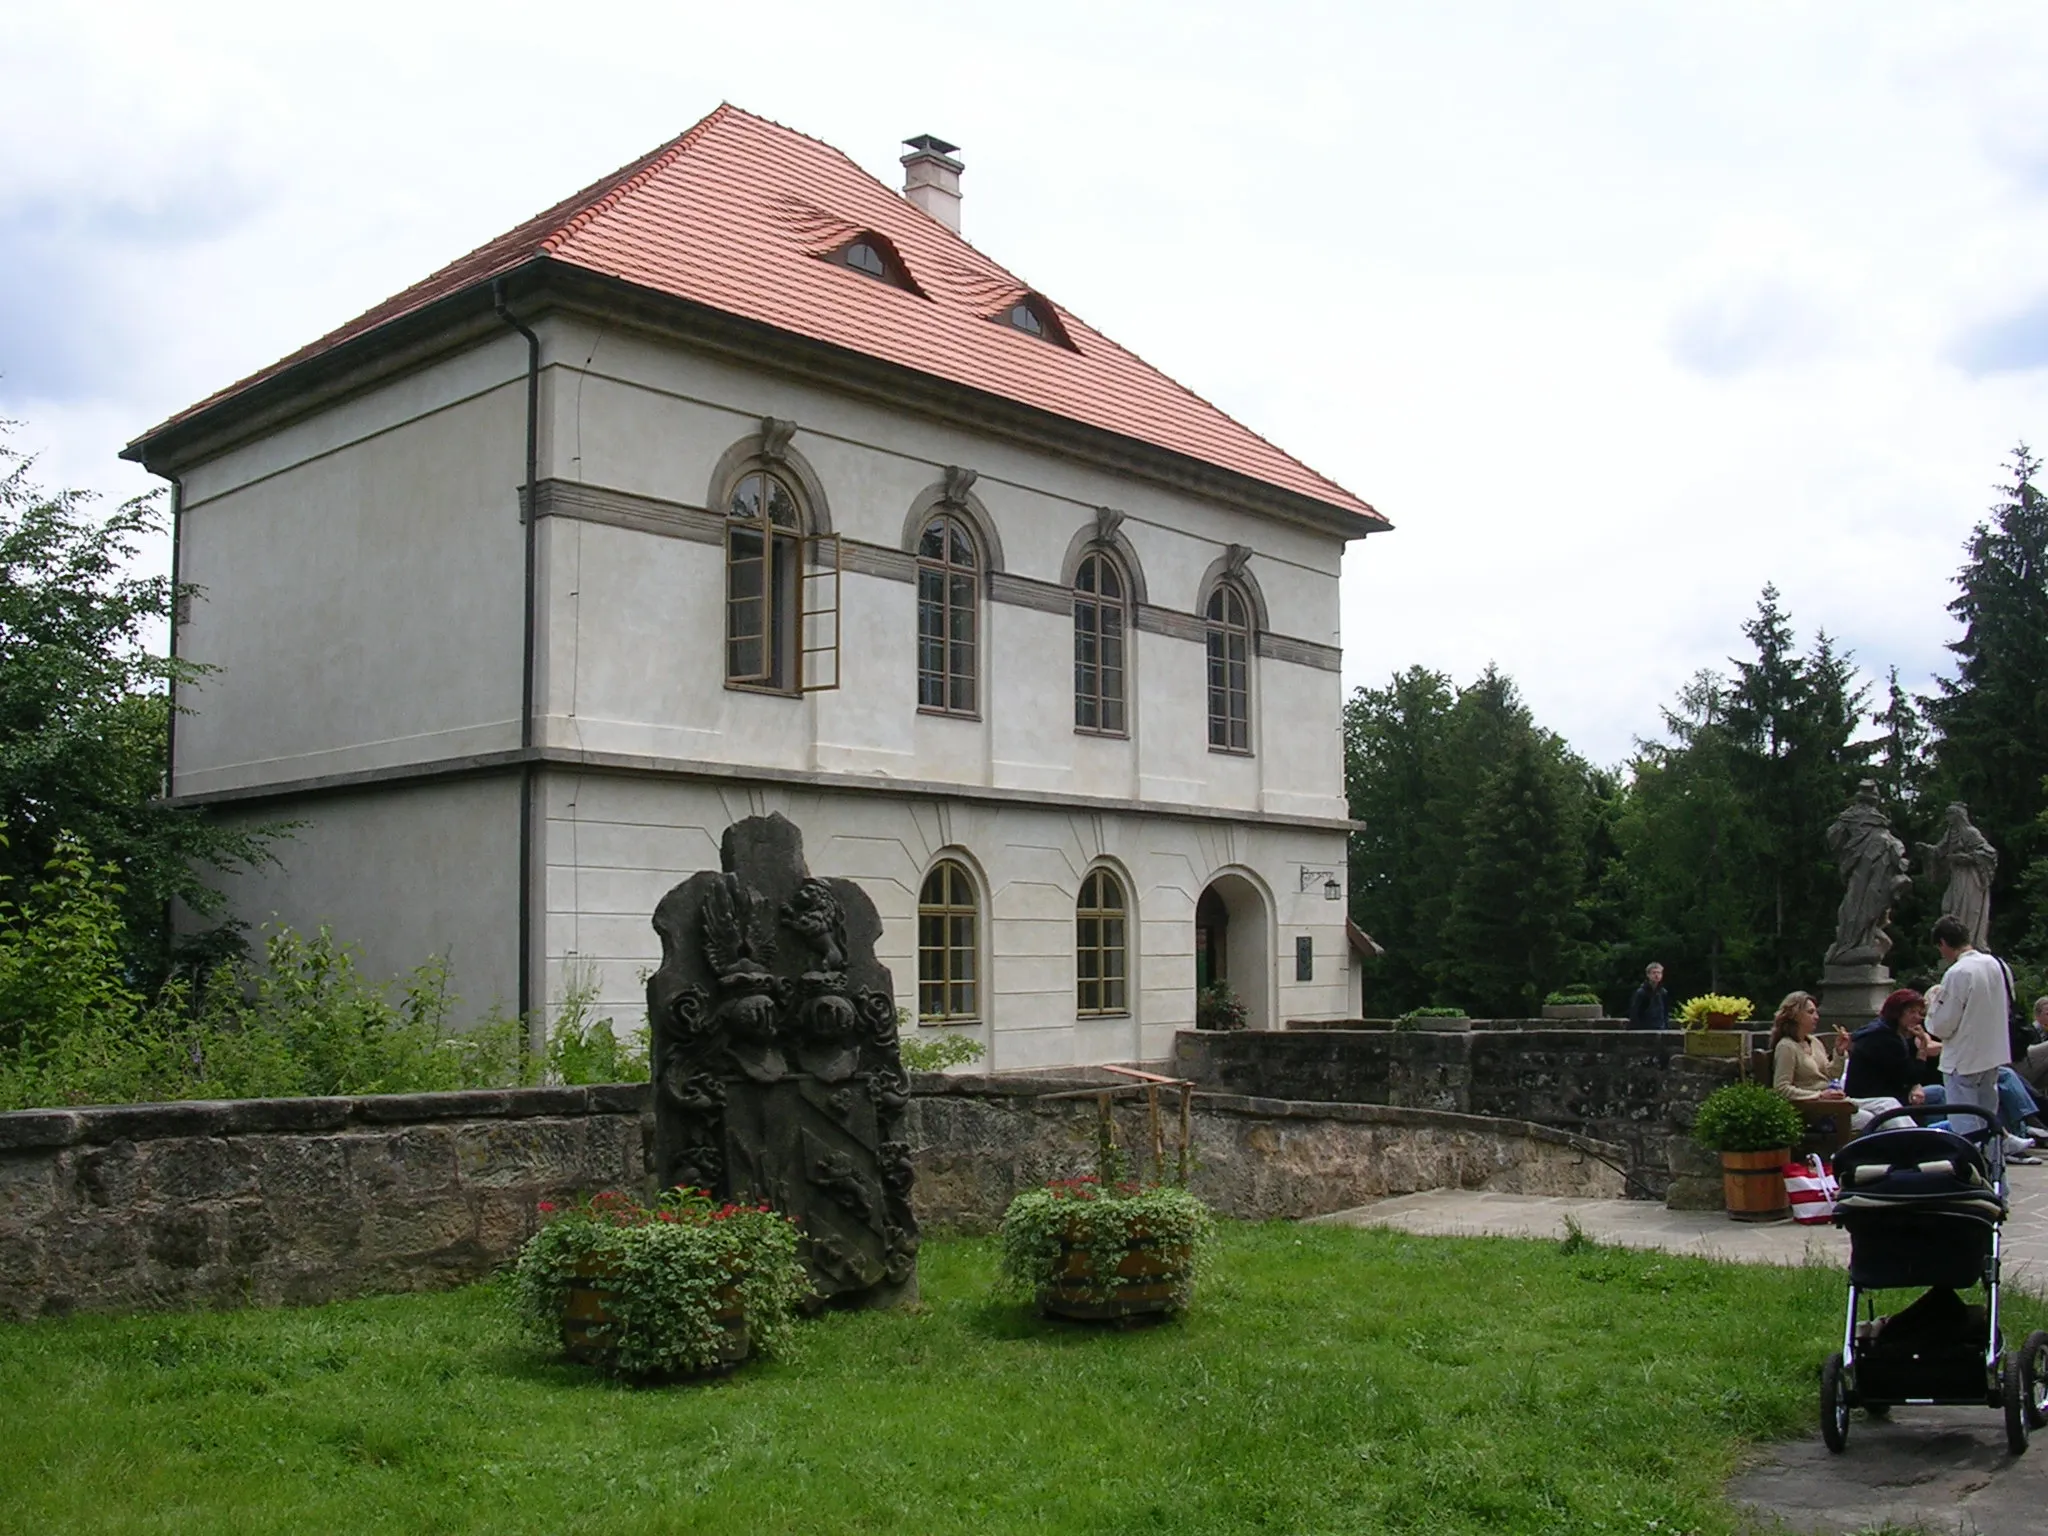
{"type": "Point", "coordinates": [931, 178]}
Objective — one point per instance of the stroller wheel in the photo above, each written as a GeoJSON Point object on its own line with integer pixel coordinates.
{"type": "Point", "coordinates": [2034, 1378]}
{"type": "Point", "coordinates": [1834, 1405]}
{"type": "Point", "coordinates": [2017, 1414]}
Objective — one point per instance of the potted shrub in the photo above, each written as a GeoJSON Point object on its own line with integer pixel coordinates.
{"type": "Point", "coordinates": [1099, 1252]}
{"type": "Point", "coordinates": [1217, 1007]}
{"type": "Point", "coordinates": [689, 1286]}
{"type": "Point", "coordinates": [1754, 1130]}
{"type": "Point", "coordinates": [1434, 1018]}
{"type": "Point", "coordinates": [1577, 1001]}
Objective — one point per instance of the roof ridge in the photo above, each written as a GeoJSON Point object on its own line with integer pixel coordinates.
{"type": "Point", "coordinates": [635, 174]}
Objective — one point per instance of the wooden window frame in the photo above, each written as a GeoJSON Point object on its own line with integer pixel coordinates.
{"type": "Point", "coordinates": [798, 594]}
{"type": "Point", "coordinates": [938, 964]}
{"type": "Point", "coordinates": [1230, 729]}
{"type": "Point", "coordinates": [959, 594]}
{"type": "Point", "coordinates": [1093, 701]}
{"type": "Point", "coordinates": [1094, 948]}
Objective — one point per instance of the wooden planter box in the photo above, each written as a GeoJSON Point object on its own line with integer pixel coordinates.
{"type": "Point", "coordinates": [590, 1328]}
{"type": "Point", "coordinates": [1142, 1286]}
{"type": "Point", "coordinates": [1753, 1184]}
{"type": "Point", "coordinates": [1716, 1042]}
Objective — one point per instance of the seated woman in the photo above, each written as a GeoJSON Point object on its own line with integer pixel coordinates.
{"type": "Point", "coordinates": [1804, 1070]}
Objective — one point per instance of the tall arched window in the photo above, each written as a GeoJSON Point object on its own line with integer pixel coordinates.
{"type": "Point", "coordinates": [948, 953]}
{"type": "Point", "coordinates": [1099, 646]}
{"type": "Point", "coordinates": [948, 619]}
{"type": "Point", "coordinates": [1101, 946]}
{"type": "Point", "coordinates": [1229, 619]}
{"type": "Point", "coordinates": [763, 542]}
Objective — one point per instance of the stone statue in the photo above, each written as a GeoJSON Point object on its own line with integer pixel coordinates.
{"type": "Point", "coordinates": [777, 1074]}
{"type": "Point", "coordinates": [1873, 867]}
{"type": "Point", "coordinates": [1966, 860]}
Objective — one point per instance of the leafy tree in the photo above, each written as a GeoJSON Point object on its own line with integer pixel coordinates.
{"type": "Point", "coordinates": [1990, 721]}
{"type": "Point", "coordinates": [84, 710]}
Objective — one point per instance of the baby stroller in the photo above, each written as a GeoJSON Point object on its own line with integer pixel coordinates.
{"type": "Point", "coordinates": [1923, 1206]}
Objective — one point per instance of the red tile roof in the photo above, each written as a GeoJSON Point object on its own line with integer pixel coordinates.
{"type": "Point", "coordinates": [734, 214]}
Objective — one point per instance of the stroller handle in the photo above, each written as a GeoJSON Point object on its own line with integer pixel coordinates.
{"type": "Point", "coordinates": [1914, 1111]}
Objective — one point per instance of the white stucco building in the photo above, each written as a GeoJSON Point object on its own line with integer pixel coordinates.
{"type": "Point", "coordinates": [829, 515]}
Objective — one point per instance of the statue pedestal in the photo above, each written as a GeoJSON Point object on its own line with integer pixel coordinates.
{"type": "Point", "coordinates": [1850, 995]}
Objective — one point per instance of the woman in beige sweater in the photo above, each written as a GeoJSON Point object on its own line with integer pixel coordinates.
{"type": "Point", "coordinates": [1803, 1069]}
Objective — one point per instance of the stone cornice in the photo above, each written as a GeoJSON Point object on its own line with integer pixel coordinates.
{"type": "Point", "coordinates": [641, 765]}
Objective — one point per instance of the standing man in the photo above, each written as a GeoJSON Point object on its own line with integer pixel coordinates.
{"type": "Point", "coordinates": [1648, 1007]}
{"type": "Point", "coordinates": [1968, 1017]}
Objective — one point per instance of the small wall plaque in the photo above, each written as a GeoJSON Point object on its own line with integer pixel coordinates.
{"type": "Point", "coordinates": [1304, 958]}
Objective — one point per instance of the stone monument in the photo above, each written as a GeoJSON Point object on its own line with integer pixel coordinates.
{"type": "Point", "coordinates": [777, 1074]}
{"type": "Point", "coordinates": [1965, 859]}
{"type": "Point", "coordinates": [1854, 980]}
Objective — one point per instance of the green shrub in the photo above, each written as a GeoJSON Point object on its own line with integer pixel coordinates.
{"type": "Point", "coordinates": [939, 1052]}
{"type": "Point", "coordinates": [1105, 1219]}
{"type": "Point", "coordinates": [669, 1271]}
{"type": "Point", "coordinates": [1747, 1117]}
{"type": "Point", "coordinates": [1218, 1007]}
{"type": "Point", "coordinates": [584, 1049]}
{"type": "Point", "coordinates": [1573, 997]}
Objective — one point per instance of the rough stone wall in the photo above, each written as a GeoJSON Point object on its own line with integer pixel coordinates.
{"type": "Point", "coordinates": [977, 1140]}
{"type": "Point", "coordinates": [1615, 1085]}
{"type": "Point", "coordinates": [293, 1200]}
{"type": "Point", "coordinates": [306, 1200]}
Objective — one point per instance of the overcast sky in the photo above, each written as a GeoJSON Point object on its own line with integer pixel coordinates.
{"type": "Point", "coordinates": [1618, 311]}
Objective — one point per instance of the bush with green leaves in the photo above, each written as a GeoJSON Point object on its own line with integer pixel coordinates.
{"type": "Point", "coordinates": [672, 1273]}
{"type": "Point", "coordinates": [1747, 1117]}
{"type": "Point", "coordinates": [1218, 1007]}
{"type": "Point", "coordinates": [301, 1019]}
{"type": "Point", "coordinates": [1106, 1220]}
{"type": "Point", "coordinates": [940, 1052]}
{"type": "Point", "coordinates": [1577, 996]}
{"type": "Point", "coordinates": [583, 1048]}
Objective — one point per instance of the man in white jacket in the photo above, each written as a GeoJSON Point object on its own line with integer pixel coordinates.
{"type": "Point", "coordinates": [1969, 1018]}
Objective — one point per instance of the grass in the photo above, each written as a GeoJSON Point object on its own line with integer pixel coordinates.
{"type": "Point", "coordinates": [1327, 1380]}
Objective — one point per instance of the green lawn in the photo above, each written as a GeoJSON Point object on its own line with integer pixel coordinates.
{"type": "Point", "coordinates": [1326, 1380]}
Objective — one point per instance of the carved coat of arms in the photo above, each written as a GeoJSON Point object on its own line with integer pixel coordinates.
{"type": "Point", "coordinates": [776, 1070]}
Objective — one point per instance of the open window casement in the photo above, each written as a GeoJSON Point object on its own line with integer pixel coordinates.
{"type": "Point", "coordinates": [818, 619]}
{"type": "Point", "coordinates": [750, 639]}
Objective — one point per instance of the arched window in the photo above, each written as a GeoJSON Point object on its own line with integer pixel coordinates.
{"type": "Point", "coordinates": [763, 541]}
{"type": "Point", "coordinates": [948, 619]}
{"type": "Point", "coordinates": [1099, 646]}
{"type": "Point", "coordinates": [1101, 940]}
{"type": "Point", "coordinates": [1229, 619]}
{"type": "Point", "coordinates": [948, 967]}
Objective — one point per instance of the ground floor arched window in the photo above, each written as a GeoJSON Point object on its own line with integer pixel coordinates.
{"type": "Point", "coordinates": [948, 947]}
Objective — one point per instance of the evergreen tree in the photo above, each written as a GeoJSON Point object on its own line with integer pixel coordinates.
{"type": "Point", "coordinates": [1514, 907]}
{"type": "Point", "coordinates": [1394, 741]}
{"type": "Point", "coordinates": [1990, 721]}
{"type": "Point", "coordinates": [1900, 765]}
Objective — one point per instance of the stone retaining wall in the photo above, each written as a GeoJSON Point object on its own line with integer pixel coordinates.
{"type": "Point", "coordinates": [305, 1200]}
{"type": "Point", "coordinates": [1616, 1085]}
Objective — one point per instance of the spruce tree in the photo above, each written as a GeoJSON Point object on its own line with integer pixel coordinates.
{"type": "Point", "coordinates": [1990, 721]}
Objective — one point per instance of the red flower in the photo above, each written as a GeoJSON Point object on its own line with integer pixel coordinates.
{"type": "Point", "coordinates": [546, 1208]}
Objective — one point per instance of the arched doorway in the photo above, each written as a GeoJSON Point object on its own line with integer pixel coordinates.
{"type": "Point", "coordinates": [1233, 945]}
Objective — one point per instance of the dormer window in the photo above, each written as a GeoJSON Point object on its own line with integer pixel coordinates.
{"type": "Point", "coordinates": [869, 260]}
{"type": "Point", "coordinates": [1034, 317]}
{"type": "Point", "coordinates": [871, 254]}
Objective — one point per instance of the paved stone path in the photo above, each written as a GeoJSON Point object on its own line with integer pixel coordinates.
{"type": "Point", "coordinates": [1942, 1470]}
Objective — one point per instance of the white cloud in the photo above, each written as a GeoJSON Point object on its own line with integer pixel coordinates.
{"type": "Point", "coordinates": [1618, 311]}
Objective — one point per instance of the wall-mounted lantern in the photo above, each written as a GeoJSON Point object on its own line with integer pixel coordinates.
{"type": "Point", "coordinates": [1332, 891]}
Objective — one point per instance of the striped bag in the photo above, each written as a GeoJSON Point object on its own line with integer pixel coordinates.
{"type": "Point", "coordinates": [1811, 1187]}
